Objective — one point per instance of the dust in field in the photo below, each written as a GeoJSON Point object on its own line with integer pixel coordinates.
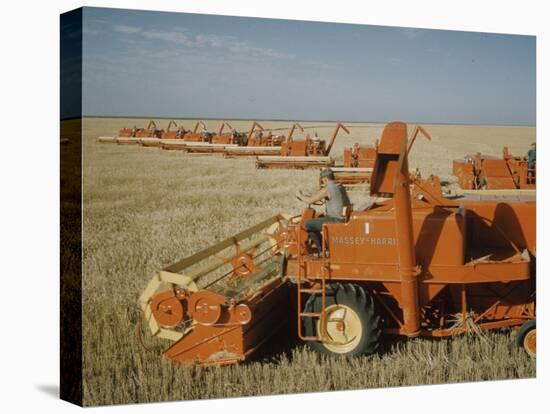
{"type": "Point", "coordinates": [145, 208]}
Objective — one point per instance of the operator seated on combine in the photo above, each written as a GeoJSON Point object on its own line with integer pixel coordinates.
{"type": "Point", "coordinates": [335, 198]}
{"type": "Point", "coordinates": [531, 159]}
{"type": "Point", "coordinates": [355, 155]}
{"type": "Point", "coordinates": [258, 136]}
{"type": "Point", "coordinates": [205, 134]}
{"type": "Point", "coordinates": [237, 138]}
{"type": "Point", "coordinates": [316, 140]}
{"type": "Point", "coordinates": [181, 132]}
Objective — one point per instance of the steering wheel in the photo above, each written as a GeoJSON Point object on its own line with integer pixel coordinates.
{"type": "Point", "coordinates": [316, 203]}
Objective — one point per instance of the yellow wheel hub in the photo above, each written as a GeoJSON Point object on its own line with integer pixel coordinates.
{"type": "Point", "coordinates": [342, 329]}
{"type": "Point", "coordinates": [530, 342]}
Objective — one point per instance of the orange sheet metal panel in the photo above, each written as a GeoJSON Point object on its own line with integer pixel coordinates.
{"type": "Point", "coordinates": [295, 148]}
{"type": "Point", "coordinates": [362, 157]}
{"type": "Point", "coordinates": [497, 175]}
{"type": "Point", "coordinates": [464, 171]}
{"type": "Point", "coordinates": [495, 168]}
{"type": "Point", "coordinates": [227, 338]}
{"type": "Point", "coordinates": [523, 177]}
{"type": "Point", "coordinates": [348, 158]}
{"type": "Point", "coordinates": [369, 237]}
{"type": "Point", "coordinates": [383, 175]}
{"type": "Point", "coordinates": [511, 295]}
{"type": "Point", "coordinates": [473, 272]}
{"type": "Point", "coordinates": [144, 133]}
{"type": "Point", "coordinates": [352, 177]}
{"type": "Point", "coordinates": [195, 137]}
{"type": "Point", "coordinates": [391, 139]}
{"type": "Point", "coordinates": [222, 139]}
{"type": "Point", "coordinates": [125, 132]}
{"type": "Point", "coordinates": [387, 159]}
{"type": "Point", "coordinates": [492, 271]}
{"type": "Point", "coordinates": [169, 134]}
{"type": "Point", "coordinates": [499, 224]}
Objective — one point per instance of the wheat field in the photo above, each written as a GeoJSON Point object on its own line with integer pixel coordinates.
{"type": "Point", "coordinates": [145, 208]}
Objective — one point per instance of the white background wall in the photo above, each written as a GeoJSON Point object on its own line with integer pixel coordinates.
{"type": "Point", "coordinates": [29, 75]}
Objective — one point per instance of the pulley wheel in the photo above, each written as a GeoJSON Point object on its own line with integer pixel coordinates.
{"type": "Point", "coordinates": [167, 309]}
{"type": "Point", "coordinates": [244, 315]}
{"type": "Point", "coordinates": [206, 312]}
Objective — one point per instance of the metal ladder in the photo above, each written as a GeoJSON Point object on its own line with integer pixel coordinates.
{"type": "Point", "coordinates": [301, 290]}
{"type": "Point", "coordinates": [531, 177]}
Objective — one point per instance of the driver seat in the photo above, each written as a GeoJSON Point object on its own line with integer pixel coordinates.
{"type": "Point", "coordinates": [346, 212]}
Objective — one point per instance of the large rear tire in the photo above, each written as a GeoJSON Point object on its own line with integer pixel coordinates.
{"type": "Point", "coordinates": [352, 326]}
{"type": "Point", "coordinates": [527, 337]}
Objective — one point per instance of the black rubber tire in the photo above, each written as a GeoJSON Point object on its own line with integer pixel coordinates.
{"type": "Point", "coordinates": [524, 330]}
{"type": "Point", "coordinates": [354, 297]}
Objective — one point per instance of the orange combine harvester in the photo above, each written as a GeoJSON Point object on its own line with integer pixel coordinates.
{"type": "Point", "coordinates": [184, 137]}
{"type": "Point", "coordinates": [257, 143]}
{"type": "Point", "coordinates": [155, 141]}
{"type": "Point", "coordinates": [150, 136]}
{"type": "Point", "coordinates": [493, 173]}
{"type": "Point", "coordinates": [411, 263]}
{"type": "Point", "coordinates": [231, 137]}
{"type": "Point", "coordinates": [302, 154]}
{"type": "Point", "coordinates": [132, 136]}
{"type": "Point", "coordinates": [219, 142]}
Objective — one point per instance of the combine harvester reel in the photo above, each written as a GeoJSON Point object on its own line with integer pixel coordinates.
{"type": "Point", "coordinates": [413, 263]}
{"type": "Point", "coordinates": [485, 172]}
{"type": "Point", "coordinates": [132, 136]}
{"type": "Point", "coordinates": [302, 154]}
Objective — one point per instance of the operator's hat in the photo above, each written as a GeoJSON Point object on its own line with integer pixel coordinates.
{"type": "Point", "coordinates": [327, 172]}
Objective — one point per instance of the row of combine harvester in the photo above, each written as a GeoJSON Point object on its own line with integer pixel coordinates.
{"type": "Point", "coordinates": [474, 172]}
{"type": "Point", "coordinates": [270, 150]}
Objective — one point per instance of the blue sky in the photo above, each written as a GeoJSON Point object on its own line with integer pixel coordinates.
{"type": "Point", "coordinates": [140, 63]}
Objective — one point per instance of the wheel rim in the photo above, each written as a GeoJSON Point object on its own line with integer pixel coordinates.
{"type": "Point", "coordinates": [343, 329]}
{"type": "Point", "coordinates": [530, 342]}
